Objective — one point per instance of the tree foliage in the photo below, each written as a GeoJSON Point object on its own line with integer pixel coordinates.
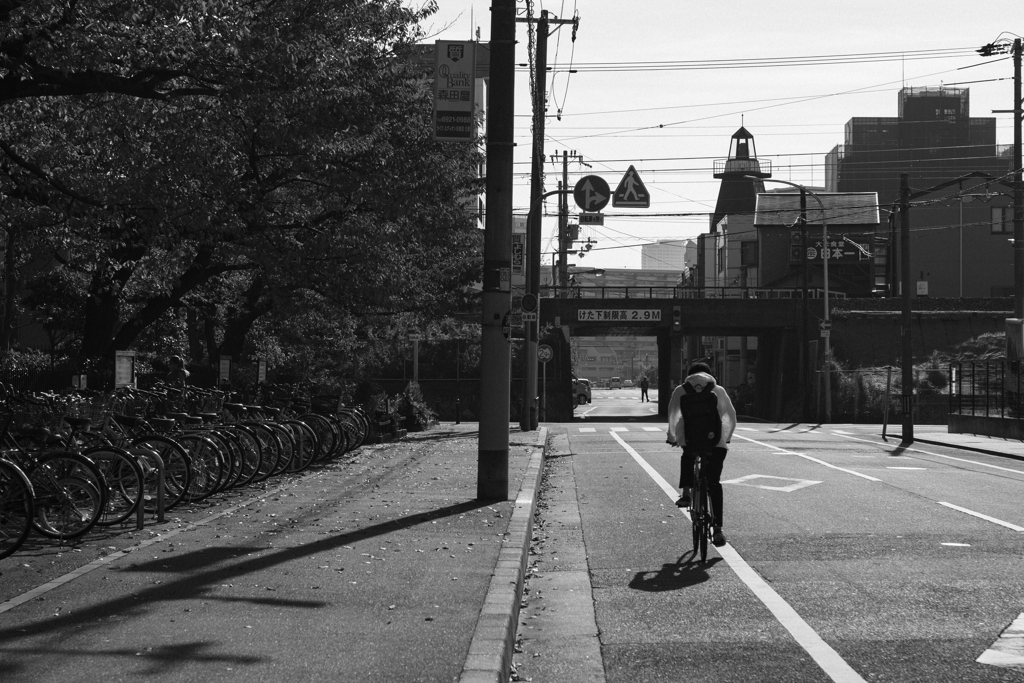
{"type": "Point", "coordinates": [265, 167]}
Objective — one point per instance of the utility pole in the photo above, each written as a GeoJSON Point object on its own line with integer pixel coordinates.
{"type": "Point", "coordinates": [495, 351]}
{"type": "Point", "coordinates": [528, 414]}
{"type": "Point", "coordinates": [805, 346]}
{"type": "Point", "coordinates": [1018, 190]}
{"type": "Point", "coordinates": [564, 238]}
{"type": "Point", "coordinates": [907, 347]}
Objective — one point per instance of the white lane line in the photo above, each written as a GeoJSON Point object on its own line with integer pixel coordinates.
{"type": "Point", "coordinates": [653, 429]}
{"type": "Point", "coordinates": [898, 467]}
{"type": "Point", "coordinates": [748, 429]}
{"type": "Point", "coordinates": [979, 515]}
{"type": "Point", "coordinates": [834, 666]}
{"type": "Point", "coordinates": [619, 429]}
{"type": "Point", "coordinates": [939, 455]}
{"type": "Point", "coordinates": [785, 451]}
{"type": "Point", "coordinates": [587, 430]}
{"type": "Point", "coordinates": [102, 561]}
{"type": "Point", "coordinates": [1008, 650]}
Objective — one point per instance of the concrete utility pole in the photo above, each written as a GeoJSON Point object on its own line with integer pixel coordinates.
{"type": "Point", "coordinates": [907, 347]}
{"type": "Point", "coordinates": [528, 415]}
{"type": "Point", "coordinates": [495, 352]}
{"type": "Point", "coordinates": [1018, 189]}
{"type": "Point", "coordinates": [805, 344]}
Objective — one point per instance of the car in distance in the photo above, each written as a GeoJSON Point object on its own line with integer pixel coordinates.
{"type": "Point", "coordinates": [627, 383]}
{"type": "Point", "coordinates": [615, 383]}
{"type": "Point", "coordinates": [581, 390]}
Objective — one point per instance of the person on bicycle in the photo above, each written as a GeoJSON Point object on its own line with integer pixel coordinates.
{"type": "Point", "coordinates": [700, 379]}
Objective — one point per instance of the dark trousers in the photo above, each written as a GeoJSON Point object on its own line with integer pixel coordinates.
{"type": "Point", "coordinates": [643, 395]}
{"type": "Point", "coordinates": [713, 463]}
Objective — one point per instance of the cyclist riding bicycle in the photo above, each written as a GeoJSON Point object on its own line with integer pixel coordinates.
{"type": "Point", "coordinates": [698, 436]}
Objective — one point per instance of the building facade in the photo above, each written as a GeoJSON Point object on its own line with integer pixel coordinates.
{"type": "Point", "coordinates": [960, 181]}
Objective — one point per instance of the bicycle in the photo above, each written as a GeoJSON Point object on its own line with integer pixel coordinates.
{"type": "Point", "coordinates": [17, 508]}
{"type": "Point", "coordinates": [701, 514]}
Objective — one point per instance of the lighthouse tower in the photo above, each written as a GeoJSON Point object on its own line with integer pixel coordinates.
{"type": "Point", "coordinates": [741, 176]}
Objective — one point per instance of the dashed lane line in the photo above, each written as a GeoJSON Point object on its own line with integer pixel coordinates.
{"type": "Point", "coordinates": [834, 666]}
{"type": "Point", "coordinates": [786, 451]}
{"type": "Point", "coordinates": [985, 517]}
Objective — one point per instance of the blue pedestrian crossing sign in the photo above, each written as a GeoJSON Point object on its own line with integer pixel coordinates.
{"type": "Point", "coordinates": [631, 192]}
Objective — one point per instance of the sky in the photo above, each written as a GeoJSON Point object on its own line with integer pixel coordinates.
{"type": "Point", "coordinates": [677, 78]}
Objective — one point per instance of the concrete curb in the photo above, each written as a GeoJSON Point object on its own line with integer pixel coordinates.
{"type": "Point", "coordinates": [490, 652]}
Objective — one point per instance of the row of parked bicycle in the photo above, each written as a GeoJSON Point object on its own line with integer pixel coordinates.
{"type": "Point", "coordinates": [70, 462]}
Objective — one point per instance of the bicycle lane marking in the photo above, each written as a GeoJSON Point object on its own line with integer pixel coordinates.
{"type": "Point", "coordinates": [834, 666]}
{"type": "Point", "coordinates": [937, 455]}
{"type": "Point", "coordinates": [786, 451]}
{"type": "Point", "coordinates": [103, 561]}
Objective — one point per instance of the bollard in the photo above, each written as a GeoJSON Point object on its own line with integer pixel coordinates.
{"type": "Point", "coordinates": [458, 411]}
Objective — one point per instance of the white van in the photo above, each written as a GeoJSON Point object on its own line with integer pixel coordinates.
{"type": "Point", "coordinates": [615, 383]}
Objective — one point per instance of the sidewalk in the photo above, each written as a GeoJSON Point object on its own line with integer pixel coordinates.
{"type": "Point", "coordinates": [939, 436]}
{"type": "Point", "coordinates": [379, 568]}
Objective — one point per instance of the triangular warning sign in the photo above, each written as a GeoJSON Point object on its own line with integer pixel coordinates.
{"type": "Point", "coordinates": [631, 191]}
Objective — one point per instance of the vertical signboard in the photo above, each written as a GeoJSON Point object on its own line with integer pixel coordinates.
{"type": "Point", "coordinates": [454, 90]}
{"type": "Point", "coordinates": [225, 370]}
{"type": "Point", "coordinates": [124, 369]}
{"type": "Point", "coordinates": [262, 371]}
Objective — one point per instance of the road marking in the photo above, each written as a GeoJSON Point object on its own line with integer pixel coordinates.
{"type": "Point", "coordinates": [1008, 650]}
{"type": "Point", "coordinates": [587, 430]}
{"type": "Point", "coordinates": [834, 666]}
{"type": "Point", "coordinates": [748, 429]}
{"type": "Point", "coordinates": [796, 484]}
{"type": "Point", "coordinates": [979, 515]}
{"type": "Point", "coordinates": [102, 561]}
{"type": "Point", "coordinates": [652, 429]}
{"type": "Point", "coordinates": [958, 545]}
{"type": "Point", "coordinates": [785, 451]}
{"type": "Point", "coordinates": [939, 455]}
{"type": "Point", "coordinates": [898, 467]}
{"type": "Point", "coordinates": [619, 429]}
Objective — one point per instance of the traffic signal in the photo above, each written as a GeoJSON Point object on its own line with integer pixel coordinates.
{"type": "Point", "coordinates": [677, 318]}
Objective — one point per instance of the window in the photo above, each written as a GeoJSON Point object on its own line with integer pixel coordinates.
{"type": "Point", "coordinates": [721, 258]}
{"type": "Point", "coordinates": [1002, 220]}
{"type": "Point", "coordinates": [748, 253]}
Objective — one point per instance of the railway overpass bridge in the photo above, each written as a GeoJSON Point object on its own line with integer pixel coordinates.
{"type": "Point", "coordinates": [673, 315]}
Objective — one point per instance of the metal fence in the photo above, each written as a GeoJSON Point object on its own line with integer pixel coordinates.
{"type": "Point", "coordinates": [985, 388]}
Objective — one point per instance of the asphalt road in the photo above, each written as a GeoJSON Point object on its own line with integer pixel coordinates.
{"type": "Point", "coordinates": [849, 559]}
{"type": "Point", "coordinates": [618, 404]}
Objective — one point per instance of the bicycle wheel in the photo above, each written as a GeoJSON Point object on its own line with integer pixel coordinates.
{"type": "Point", "coordinates": [307, 446]}
{"type": "Point", "coordinates": [207, 465]}
{"type": "Point", "coordinates": [251, 452]}
{"type": "Point", "coordinates": [70, 495]}
{"type": "Point", "coordinates": [705, 524]}
{"type": "Point", "coordinates": [177, 469]}
{"type": "Point", "coordinates": [326, 432]}
{"type": "Point", "coordinates": [270, 448]}
{"type": "Point", "coordinates": [17, 508]}
{"type": "Point", "coordinates": [125, 482]}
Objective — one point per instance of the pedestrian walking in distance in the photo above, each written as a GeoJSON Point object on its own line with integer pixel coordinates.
{"type": "Point", "coordinates": [643, 390]}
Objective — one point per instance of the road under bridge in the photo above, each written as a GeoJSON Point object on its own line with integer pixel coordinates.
{"type": "Point", "coordinates": [675, 322]}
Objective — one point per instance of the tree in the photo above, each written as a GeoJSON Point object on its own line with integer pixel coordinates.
{"type": "Point", "coordinates": [163, 149]}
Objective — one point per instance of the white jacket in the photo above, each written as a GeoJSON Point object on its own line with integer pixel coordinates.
{"type": "Point", "coordinates": [676, 434]}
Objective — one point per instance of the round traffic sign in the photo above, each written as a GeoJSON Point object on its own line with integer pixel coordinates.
{"type": "Point", "coordinates": [545, 353]}
{"type": "Point", "coordinates": [529, 303]}
{"type": "Point", "coordinates": [591, 193]}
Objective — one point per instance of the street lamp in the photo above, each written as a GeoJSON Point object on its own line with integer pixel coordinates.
{"type": "Point", "coordinates": [824, 260]}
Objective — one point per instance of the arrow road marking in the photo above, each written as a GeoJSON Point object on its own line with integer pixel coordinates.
{"type": "Point", "coordinates": [1008, 650]}
{"type": "Point", "coordinates": [834, 666]}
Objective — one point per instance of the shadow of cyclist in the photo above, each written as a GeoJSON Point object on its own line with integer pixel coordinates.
{"type": "Point", "coordinates": [685, 572]}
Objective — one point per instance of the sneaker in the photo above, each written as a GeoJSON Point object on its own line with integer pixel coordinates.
{"type": "Point", "coordinates": [718, 538]}
{"type": "Point", "coordinates": [684, 501]}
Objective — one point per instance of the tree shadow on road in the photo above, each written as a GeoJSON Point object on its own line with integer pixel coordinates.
{"type": "Point", "coordinates": [683, 573]}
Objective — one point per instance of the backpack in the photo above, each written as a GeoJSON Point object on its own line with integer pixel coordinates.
{"type": "Point", "coordinates": [702, 424]}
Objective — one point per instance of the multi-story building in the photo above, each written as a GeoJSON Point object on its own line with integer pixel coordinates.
{"type": "Point", "coordinates": [665, 255]}
{"type": "Point", "coordinates": [959, 231]}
